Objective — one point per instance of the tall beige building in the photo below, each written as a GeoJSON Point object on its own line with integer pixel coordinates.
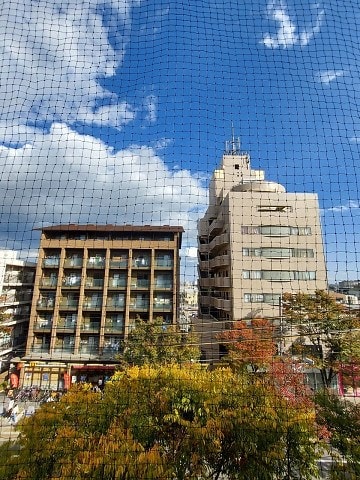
{"type": "Point", "coordinates": [91, 284]}
{"type": "Point", "coordinates": [255, 242]}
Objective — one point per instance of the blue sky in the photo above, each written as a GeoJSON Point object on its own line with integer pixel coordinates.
{"type": "Point", "coordinates": [118, 111]}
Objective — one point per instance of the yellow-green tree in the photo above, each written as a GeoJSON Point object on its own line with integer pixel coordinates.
{"type": "Point", "coordinates": [331, 329]}
{"type": "Point", "coordinates": [158, 343]}
{"type": "Point", "coordinates": [341, 419]}
{"type": "Point", "coordinates": [167, 422]}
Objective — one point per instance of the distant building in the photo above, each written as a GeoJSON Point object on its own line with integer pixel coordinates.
{"type": "Point", "coordinates": [188, 305]}
{"type": "Point", "coordinates": [16, 286]}
{"type": "Point", "coordinates": [350, 288]}
{"type": "Point", "coordinates": [255, 242]}
{"type": "Point", "coordinates": [92, 282]}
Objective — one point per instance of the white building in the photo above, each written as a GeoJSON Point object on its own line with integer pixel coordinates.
{"type": "Point", "coordinates": [16, 286]}
{"type": "Point", "coordinates": [256, 242]}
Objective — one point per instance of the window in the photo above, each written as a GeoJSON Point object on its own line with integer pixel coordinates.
{"type": "Point", "coordinates": [278, 275]}
{"type": "Point", "coordinates": [274, 208]}
{"type": "Point", "coordinates": [270, 252]}
{"type": "Point", "coordinates": [274, 230]}
{"type": "Point", "coordinates": [271, 298]}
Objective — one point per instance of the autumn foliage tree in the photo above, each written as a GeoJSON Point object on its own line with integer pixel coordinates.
{"type": "Point", "coordinates": [331, 330]}
{"type": "Point", "coordinates": [167, 422]}
{"type": "Point", "coordinates": [250, 344]}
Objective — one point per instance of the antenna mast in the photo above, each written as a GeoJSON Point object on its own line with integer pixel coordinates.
{"type": "Point", "coordinates": [232, 147]}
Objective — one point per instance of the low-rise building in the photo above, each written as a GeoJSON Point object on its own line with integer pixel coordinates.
{"type": "Point", "coordinates": [92, 283]}
{"type": "Point", "coordinates": [16, 287]}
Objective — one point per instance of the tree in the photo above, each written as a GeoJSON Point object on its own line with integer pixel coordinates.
{"type": "Point", "coordinates": [331, 329]}
{"type": "Point", "coordinates": [167, 422]}
{"type": "Point", "coordinates": [157, 343]}
{"type": "Point", "coordinates": [250, 343]}
{"type": "Point", "coordinates": [341, 418]}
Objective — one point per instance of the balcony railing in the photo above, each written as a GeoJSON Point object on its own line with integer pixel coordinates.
{"type": "Point", "coordinates": [46, 303]}
{"type": "Point", "coordinates": [65, 349]}
{"type": "Point", "coordinates": [114, 328]}
{"type": "Point", "coordinates": [69, 304]}
{"type": "Point", "coordinates": [91, 327]}
{"type": "Point", "coordinates": [164, 263]}
{"type": "Point", "coordinates": [96, 263]}
{"type": "Point", "coordinates": [71, 282]}
{"type": "Point", "coordinates": [117, 283]}
{"type": "Point", "coordinates": [51, 262]}
{"type": "Point", "coordinates": [89, 349]}
{"type": "Point", "coordinates": [115, 304]}
{"type": "Point", "coordinates": [43, 325]}
{"type": "Point", "coordinates": [118, 263]}
{"type": "Point", "coordinates": [94, 283]}
{"type": "Point", "coordinates": [48, 282]}
{"type": "Point", "coordinates": [73, 262]}
{"type": "Point", "coordinates": [164, 307]}
{"type": "Point", "coordinates": [40, 348]}
{"type": "Point", "coordinates": [139, 305]}
{"type": "Point", "coordinates": [135, 283]}
{"type": "Point", "coordinates": [163, 285]}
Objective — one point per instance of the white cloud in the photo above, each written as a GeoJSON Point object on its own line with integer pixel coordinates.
{"type": "Point", "coordinates": [355, 139]}
{"type": "Point", "coordinates": [53, 55]}
{"type": "Point", "coordinates": [351, 205]}
{"type": "Point", "coordinates": [65, 177]}
{"type": "Point", "coordinates": [328, 76]}
{"type": "Point", "coordinates": [150, 105]}
{"type": "Point", "coordinates": [287, 34]}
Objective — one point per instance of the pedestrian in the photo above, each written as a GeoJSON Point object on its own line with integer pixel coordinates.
{"type": "Point", "coordinates": [14, 414]}
{"type": "Point", "coordinates": [9, 408]}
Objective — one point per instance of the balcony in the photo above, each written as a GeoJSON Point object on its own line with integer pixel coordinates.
{"type": "Point", "coordinates": [216, 227]}
{"type": "Point", "coordinates": [71, 282]}
{"type": "Point", "coordinates": [73, 262]}
{"type": "Point", "coordinates": [220, 261]}
{"type": "Point", "coordinates": [162, 307]}
{"type": "Point", "coordinates": [63, 350]}
{"type": "Point", "coordinates": [164, 263]}
{"type": "Point", "coordinates": [204, 265]}
{"type": "Point", "coordinates": [91, 327]}
{"type": "Point", "coordinates": [220, 241]}
{"type": "Point", "coordinates": [40, 349]}
{"type": "Point", "coordinates": [112, 348]}
{"type": "Point", "coordinates": [69, 304]}
{"type": "Point", "coordinates": [51, 262]}
{"type": "Point", "coordinates": [163, 286]}
{"type": "Point", "coordinates": [205, 282]}
{"type": "Point", "coordinates": [96, 262]}
{"type": "Point", "coordinates": [139, 306]}
{"type": "Point", "coordinates": [65, 327]}
{"type": "Point", "coordinates": [141, 262]}
{"type": "Point", "coordinates": [48, 282]}
{"type": "Point", "coordinates": [205, 300]}
{"type": "Point", "coordinates": [92, 304]}
{"type": "Point", "coordinates": [46, 303]}
{"type": "Point", "coordinates": [221, 304]}
{"type": "Point", "coordinates": [113, 304]}
{"type": "Point", "coordinates": [114, 328]}
{"type": "Point", "coordinates": [222, 282]}
{"type": "Point", "coordinates": [87, 349]}
{"type": "Point", "coordinates": [43, 325]}
{"type": "Point", "coordinates": [139, 284]}
{"type": "Point", "coordinates": [115, 283]}
{"type": "Point", "coordinates": [119, 263]}
{"type": "Point", "coordinates": [94, 282]}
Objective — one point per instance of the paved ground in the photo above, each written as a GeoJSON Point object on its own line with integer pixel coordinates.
{"type": "Point", "coordinates": [7, 429]}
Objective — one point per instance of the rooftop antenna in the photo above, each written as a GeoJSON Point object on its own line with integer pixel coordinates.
{"type": "Point", "coordinates": [232, 147]}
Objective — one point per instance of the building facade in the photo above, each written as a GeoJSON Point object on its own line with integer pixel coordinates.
{"type": "Point", "coordinates": [92, 283]}
{"type": "Point", "coordinates": [255, 242]}
{"type": "Point", "coordinates": [16, 286]}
